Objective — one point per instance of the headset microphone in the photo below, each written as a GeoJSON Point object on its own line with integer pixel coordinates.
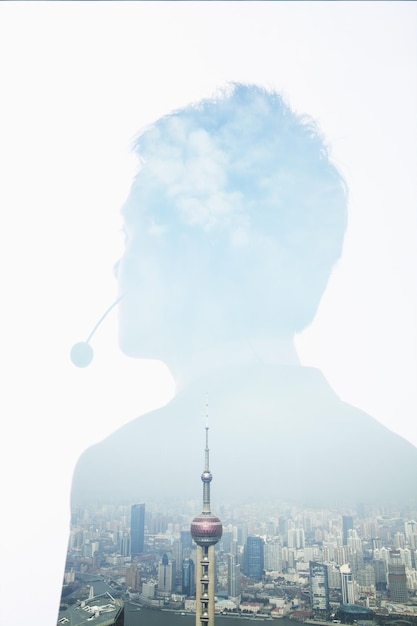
{"type": "Point", "coordinates": [82, 353]}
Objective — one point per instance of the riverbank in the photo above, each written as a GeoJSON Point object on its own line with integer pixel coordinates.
{"type": "Point", "coordinates": [136, 615]}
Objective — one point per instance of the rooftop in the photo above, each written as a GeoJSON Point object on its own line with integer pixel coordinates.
{"type": "Point", "coordinates": [355, 609]}
{"type": "Point", "coordinates": [101, 610]}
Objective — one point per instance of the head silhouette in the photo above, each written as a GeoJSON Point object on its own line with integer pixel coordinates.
{"type": "Point", "coordinates": [233, 224]}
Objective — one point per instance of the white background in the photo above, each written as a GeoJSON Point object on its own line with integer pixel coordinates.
{"type": "Point", "coordinates": [78, 80]}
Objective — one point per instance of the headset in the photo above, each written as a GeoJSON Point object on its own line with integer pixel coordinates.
{"type": "Point", "coordinates": [82, 353]}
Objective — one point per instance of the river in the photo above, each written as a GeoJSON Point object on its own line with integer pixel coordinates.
{"type": "Point", "coordinates": [154, 617]}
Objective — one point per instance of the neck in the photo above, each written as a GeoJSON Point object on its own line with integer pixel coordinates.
{"type": "Point", "coordinates": [277, 351]}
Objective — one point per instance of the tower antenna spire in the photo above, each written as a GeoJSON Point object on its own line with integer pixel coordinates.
{"type": "Point", "coordinates": [206, 454]}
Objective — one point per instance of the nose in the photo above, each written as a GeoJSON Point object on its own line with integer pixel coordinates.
{"type": "Point", "coordinates": [116, 269]}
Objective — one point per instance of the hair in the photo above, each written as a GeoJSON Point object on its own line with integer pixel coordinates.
{"type": "Point", "coordinates": [246, 171]}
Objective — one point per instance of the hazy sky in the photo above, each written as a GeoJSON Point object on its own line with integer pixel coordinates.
{"type": "Point", "coordinates": [78, 80]}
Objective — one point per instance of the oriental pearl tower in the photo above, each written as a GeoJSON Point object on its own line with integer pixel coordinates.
{"type": "Point", "coordinates": [206, 530]}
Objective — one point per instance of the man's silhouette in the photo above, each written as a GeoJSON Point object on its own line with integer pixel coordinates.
{"type": "Point", "coordinates": [233, 224]}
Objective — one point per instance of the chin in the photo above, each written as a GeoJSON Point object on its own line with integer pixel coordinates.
{"type": "Point", "coordinates": [131, 345]}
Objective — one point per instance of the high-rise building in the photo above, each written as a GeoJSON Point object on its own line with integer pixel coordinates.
{"type": "Point", "coordinates": [206, 530]}
{"type": "Point", "coordinates": [342, 554]}
{"type": "Point", "coordinates": [319, 587]}
{"type": "Point", "coordinates": [406, 558]}
{"type": "Point", "coordinates": [177, 554]}
{"type": "Point", "coordinates": [226, 542]}
{"type": "Point", "coordinates": [347, 525]}
{"type": "Point", "coordinates": [347, 584]}
{"type": "Point", "coordinates": [188, 577]}
{"type": "Point", "coordinates": [410, 528]}
{"type": "Point", "coordinates": [124, 544]}
{"type": "Point", "coordinates": [273, 556]}
{"type": "Point", "coordinates": [233, 578]}
{"type": "Point", "coordinates": [148, 589]}
{"type": "Point", "coordinates": [397, 578]}
{"type": "Point", "coordinates": [181, 552]}
{"type": "Point", "coordinates": [365, 577]}
{"type": "Point", "coordinates": [376, 543]}
{"type": "Point", "coordinates": [356, 562]}
{"type": "Point", "coordinates": [133, 577]}
{"type": "Point", "coordinates": [242, 535]}
{"type": "Point", "coordinates": [399, 541]}
{"type": "Point", "coordinates": [166, 575]}
{"type": "Point", "coordinates": [295, 538]}
{"type": "Point", "coordinates": [137, 529]}
{"type": "Point", "coordinates": [380, 569]}
{"type": "Point", "coordinates": [253, 558]}
{"type": "Point", "coordinates": [186, 539]}
{"type": "Point", "coordinates": [333, 576]}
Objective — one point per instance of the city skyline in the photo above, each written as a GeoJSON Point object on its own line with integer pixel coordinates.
{"type": "Point", "coordinates": [323, 566]}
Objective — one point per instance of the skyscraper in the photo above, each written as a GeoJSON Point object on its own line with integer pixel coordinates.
{"type": "Point", "coordinates": [137, 529]}
{"type": "Point", "coordinates": [319, 587]}
{"type": "Point", "coordinates": [380, 569]}
{"type": "Point", "coordinates": [397, 578]}
{"type": "Point", "coordinates": [166, 575]}
{"type": "Point", "coordinates": [254, 558]}
{"type": "Point", "coordinates": [347, 584]}
{"type": "Point", "coordinates": [347, 525]}
{"type": "Point", "coordinates": [188, 577]}
{"type": "Point", "coordinates": [233, 578]}
{"type": "Point", "coordinates": [124, 543]}
{"type": "Point", "coordinates": [273, 555]}
{"type": "Point", "coordinates": [186, 539]}
{"type": "Point", "coordinates": [206, 530]}
{"type": "Point", "coordinates": [133, 577]}
{"type": "Point", "coordinates": [296, 538]}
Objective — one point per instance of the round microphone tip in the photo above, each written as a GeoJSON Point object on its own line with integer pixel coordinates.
{"type": "Point", "coordinates": [82, 354]}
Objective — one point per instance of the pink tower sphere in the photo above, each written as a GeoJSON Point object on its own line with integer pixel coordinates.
{"type": "Point", "coordinates": [206, 529]}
